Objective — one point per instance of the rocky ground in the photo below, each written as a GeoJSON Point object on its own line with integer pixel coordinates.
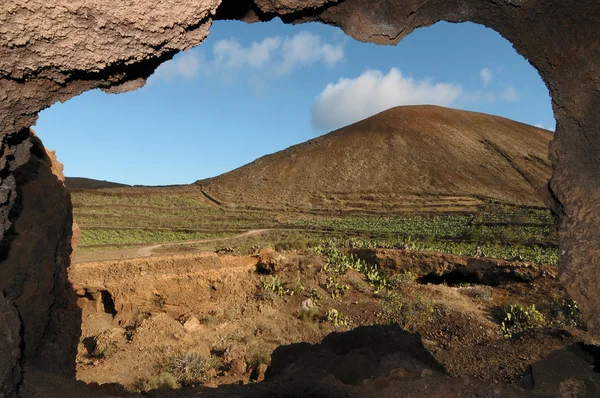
{"type": "Point", "coordinates": [309, 326]}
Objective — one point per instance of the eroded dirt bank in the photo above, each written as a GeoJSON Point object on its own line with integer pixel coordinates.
{"type": "Point", "coordinates": [241, 312]}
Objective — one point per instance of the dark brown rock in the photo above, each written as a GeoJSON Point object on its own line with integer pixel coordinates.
{"type": "Point", "coordinates": [10, 339]}
{"type": "Point", "coordinates": [371, 361]}
{"type": "Point", "coordinates": [260, 372]}
{"type": "Point", "coordinates": [36, 254]}
{"type": "Point", "coordinates": [568, 372]}
{"type": "Point", "coordinates": [235, 357]}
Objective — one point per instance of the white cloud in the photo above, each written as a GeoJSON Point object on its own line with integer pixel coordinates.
{"type": "Point", "coordinates": [540, 125]}
{"type": "Point", "coordinates": [510, 94]}
{"type": "Point", "coordinates": [486, 76]}
{"type": "Point", "coordinates": [350, 100]}
{"type": "Point", "coordinates": [277, 54]}
{"type": "Point", "coordinates": [184, 65]}
{"type": "Point", "coordinates": [274, 55]}
{"type": "Point", "coordinates": [231, 54]}
{"type": "Point", "coordinates": [305, 49]}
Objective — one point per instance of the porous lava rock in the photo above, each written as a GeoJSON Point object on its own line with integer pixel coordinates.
{"type": "Point", "coordinates": [35, 255]}
{"type": "Point", "coordinates": [10, 352]}
{"type": "Point", "coordinates": [53, 50]}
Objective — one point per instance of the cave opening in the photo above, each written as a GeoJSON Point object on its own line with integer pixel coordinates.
{"type": "Point", "coordinates": [134, 221]}
{"type": "Point", "coordinates": [451, 278]}
{"type": "Point", "coordinates": [108, 303]}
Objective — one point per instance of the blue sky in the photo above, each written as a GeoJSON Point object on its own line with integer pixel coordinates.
{"type": "Point", "coordinates": [250, 90]}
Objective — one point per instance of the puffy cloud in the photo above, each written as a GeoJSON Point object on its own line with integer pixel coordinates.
{"type": "Point", "coordinates": [510, 94]}
{"type": "Point", "coordinates": [184, 65]}
{"type": "Point", "coordinates": [229, 53]}
{"type": "Point", "coordinates": [304, 49]}
{"type": "Point", "coordinates": [279, 55]}
{"type": "Point", "coordinates": [276, 55]}
{"type": "Point", "coordinates": [350, 100]}
{"type": "Point", "coordinates": [486, 76]}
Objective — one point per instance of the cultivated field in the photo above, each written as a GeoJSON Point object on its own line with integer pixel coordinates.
{"type": "Point", "coordinates": [120, 218]}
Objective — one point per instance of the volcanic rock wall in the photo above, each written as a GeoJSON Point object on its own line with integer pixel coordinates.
{"type": "Point", "coordinates": [10, 351]}
{"type": "Point", "coordinates": [53, 50]}
{"type": "Point", "coordinates": [35, 255]}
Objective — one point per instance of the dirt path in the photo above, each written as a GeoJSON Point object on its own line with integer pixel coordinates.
{"type": "Point", "coordinates": [147, 251]}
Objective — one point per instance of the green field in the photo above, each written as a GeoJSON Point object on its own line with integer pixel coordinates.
{"type": "Point", "coordinates": [121, 217]}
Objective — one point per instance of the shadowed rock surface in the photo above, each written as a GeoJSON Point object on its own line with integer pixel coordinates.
{"type": "Point", "coordinates": [374, 361]}
{"type": "Point", "coordinates": [35, 256]}
{"type": "Point", "coordinates": [10, 352]}
{"type": "Point", "coordinates": [53, 50]}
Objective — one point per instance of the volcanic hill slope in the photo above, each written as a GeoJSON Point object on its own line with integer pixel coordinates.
{"type": "Point", "coordinates": [89, 183]}
{"type": "Point", "coordinates": [405, 158]}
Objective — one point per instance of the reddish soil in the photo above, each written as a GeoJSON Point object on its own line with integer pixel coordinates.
{"type": "Point", "coordinates": [140, 313]}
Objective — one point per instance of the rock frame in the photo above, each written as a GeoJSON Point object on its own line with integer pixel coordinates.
{"type": "Point", "coordinates": [54, 50]}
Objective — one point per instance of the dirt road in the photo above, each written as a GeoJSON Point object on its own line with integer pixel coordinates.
{"type": "Point", "coordinates": [147, 251]}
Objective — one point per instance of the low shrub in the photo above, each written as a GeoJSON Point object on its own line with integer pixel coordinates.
{"type": "Point", "coordinates": [309, 314]}
{"type": "Point", "coordinates": [338, 263]}
{"type": "Point", "coordinates": [298, 288]}
{"type": "Point", "coordinates": [102, 351]}
{"type": "Point", "coordinates": [477, 292]}
{"type": "Point", "coordinates": [402, 278]}
{"type": "Point", "coordinates": [406, 313]}
{"type": "Point", "coordinates": [518, 318]}
{"type": "Point", "coordinates": [566, 310]}
{"type": "Point", "coordinates": [314, 295]}
{"type": "Point", "coordinates": [164, 381]}
{"type": "Point", "coordinates": [266, 295]}
{"type": "Point", "coordinates": [300, 243]}
{"type": "Point", "coordinates": [335, 289]}
{"type": "Point", "coordinates": [191, 368]}
{"type": "Point", "coordinates": [260, 357]}
{"type": "Point", "coordinates": [275, 285]}
{"type": "Point", "coordinates": [376, 279]}
{"type": "Point", "coordinates": [336, 317]}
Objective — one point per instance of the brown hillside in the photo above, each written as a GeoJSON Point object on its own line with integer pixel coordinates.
{"type": "Point", "coordinates": [89, 183]}
{"type": "Point", "coordinates": [406, 157]}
